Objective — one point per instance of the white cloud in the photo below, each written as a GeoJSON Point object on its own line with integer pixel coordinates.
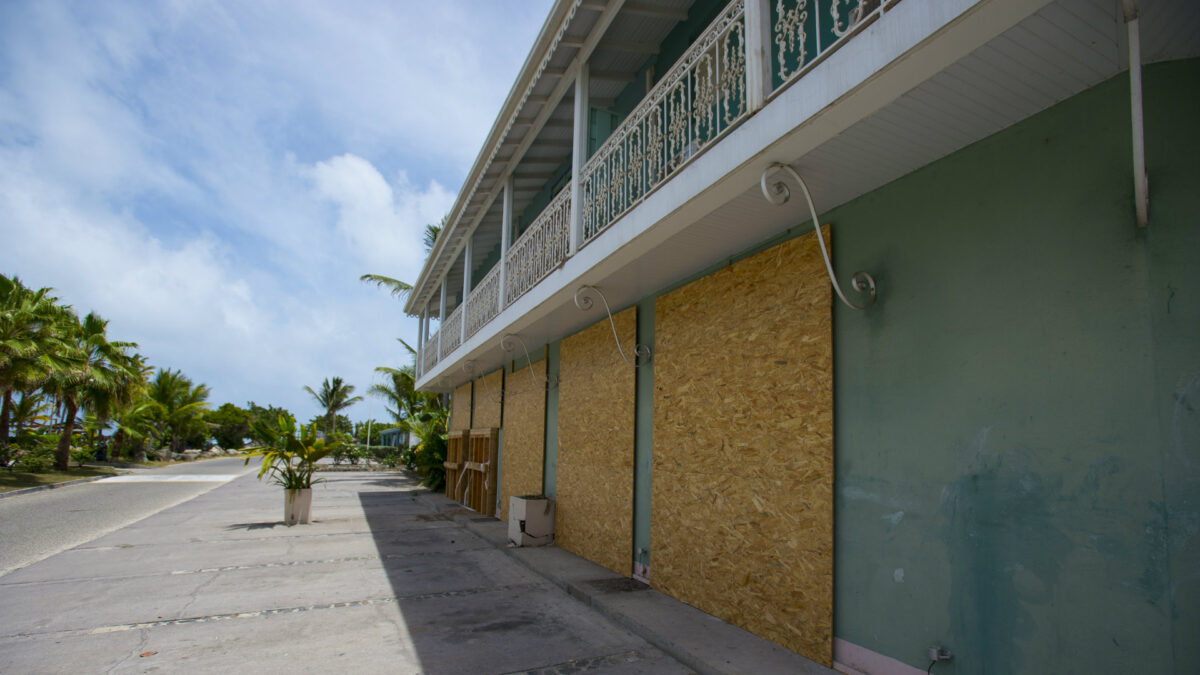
{"type": "Point", "coordinates": [214, 176]}
{"type": "Point", "coordinates": [383, 226]}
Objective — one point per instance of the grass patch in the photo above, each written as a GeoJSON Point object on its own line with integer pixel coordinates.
{"type": "Point", "coordinates": [17, 480]}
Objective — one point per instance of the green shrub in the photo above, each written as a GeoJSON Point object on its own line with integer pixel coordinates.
{"type": "Point", "coordinates": [81, 455]}
{"type": "Point", "coordinates": [37, 459]}
{"type": "Point", "coordinates": [430, 460]}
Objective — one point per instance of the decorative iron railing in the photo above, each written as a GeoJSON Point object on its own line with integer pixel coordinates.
{"type": "Point", "coordinates": [451, 332]}
{"type": "Point", "coordinates": [692, 107]}
{"type": "Point", "coordinates": [803, 31]}
{"type": "Point", "coordinates": [483, 304]}
{"type": "Point", "coordinates": [694, 104]}
{"type": "Point", "coordinates": [540, 249]}
{"type": "Point", "coordinates": [429, 356]}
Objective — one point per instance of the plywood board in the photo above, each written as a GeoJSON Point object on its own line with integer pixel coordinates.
{"type": "Point", "coordinates": [742, 505]}
{"type": "Point", "coordinates": [489, 396]}
{"type": "Point", "coordinates": [595, 445]}
{"type": "Point", "coordinates": [524, 434]}
{"type": "Point", "coordinates": [460, 408]}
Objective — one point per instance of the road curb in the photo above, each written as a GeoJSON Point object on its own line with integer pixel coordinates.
{"type": "Point", "coordinates": [52, 486]}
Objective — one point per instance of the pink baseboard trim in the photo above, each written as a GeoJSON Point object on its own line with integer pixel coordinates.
{"type": "Point", "coordinates": [851, 659]}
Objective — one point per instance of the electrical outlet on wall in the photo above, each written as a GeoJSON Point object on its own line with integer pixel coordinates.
{"type": "Point", "coordinates": [939, 653]}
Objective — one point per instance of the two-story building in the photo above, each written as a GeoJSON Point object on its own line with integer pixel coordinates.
{"type": "Point", "coordinates": [963, 412]}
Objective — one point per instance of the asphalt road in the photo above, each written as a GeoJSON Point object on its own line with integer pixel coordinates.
{"type": "Point", "coordinates": [37, 525]}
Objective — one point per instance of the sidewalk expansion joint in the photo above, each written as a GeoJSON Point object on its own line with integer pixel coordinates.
{"type": "Point", "coordinates": [595, 663]}
{"type": "Point", "coordinates": [213, 618]}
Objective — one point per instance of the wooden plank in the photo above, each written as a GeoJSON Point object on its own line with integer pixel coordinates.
{"type": "Point", "coordinates": [460, 408]}
{"type": "Point", "coordinates": [742, 520]}
{"type": "Point", "coordinates": [594, 514]}
{"type": "Point", "coordinates": [489, 395]}
{"type": "Point", "coordinates": [524, 433]}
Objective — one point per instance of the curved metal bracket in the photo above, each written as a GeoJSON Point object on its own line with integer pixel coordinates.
{"type": "Point", "coordinates": [860, 281]}
{"type": "Point", "coordinates": [507, 345]}
{"type": "Point", "coordinates": [583, 300]}
{"type": "Point", "coordinates": [468, 367]}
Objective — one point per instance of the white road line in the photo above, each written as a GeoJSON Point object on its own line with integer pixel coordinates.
{"type": "Point", "coordinates": [172, 478]}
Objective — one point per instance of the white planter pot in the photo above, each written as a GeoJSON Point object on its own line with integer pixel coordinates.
{"type": "Point", "coordinates": [297, 506]}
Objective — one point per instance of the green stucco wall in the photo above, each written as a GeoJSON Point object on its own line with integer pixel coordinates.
{"type": "Point", "coordinates": [1017, 439]}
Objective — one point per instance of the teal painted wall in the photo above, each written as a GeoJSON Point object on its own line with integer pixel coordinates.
{"type": "Point", "coordinates": [550, 470]}
{"type": "Point", "coordinates": [643, 435]}
{"type": "Point", "coordinates": [1017, 438]}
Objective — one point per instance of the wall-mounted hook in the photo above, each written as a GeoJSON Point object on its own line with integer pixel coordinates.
{"type": "Point", "coordinates": [506, 343]}
{"type": "Point", "coordinates": [861, 281]}
{"type": "Point", "coordinates": [468, 367]}
{"type": "Point", "coordinates": [583, 300]}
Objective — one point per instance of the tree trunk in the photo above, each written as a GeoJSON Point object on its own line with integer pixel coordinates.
{"type": "Point", "coordinates": [5, 415]}
{"type": "Point", "coordinates": [138, 454]}
{"type": "Point", "coordinates": [62, 458]}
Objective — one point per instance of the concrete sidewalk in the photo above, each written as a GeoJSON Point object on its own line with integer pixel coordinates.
{"type": "Point", "coordinates": [389, 578]}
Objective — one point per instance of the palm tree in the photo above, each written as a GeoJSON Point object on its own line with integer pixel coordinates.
{"type": "Point", "coordinates": [177, 408]}
{"type": "Point", "coordinates": [334, 397]}
{"type": "Point", "coordinates": [31, 345]}
{"type": "Point", "coordinates": [401, 399]}
{"type": "Point", "coordinates": [134, 418]}
{"type": "Point", "coordinates": [398, 289]}
{"type": "Point", "coordinates": [99, 378]}
{"type": "Point", "coordinates": [431, 235]}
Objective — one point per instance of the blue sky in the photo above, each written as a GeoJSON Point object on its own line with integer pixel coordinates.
{"type": "Point", "coordinates": [213, 177]}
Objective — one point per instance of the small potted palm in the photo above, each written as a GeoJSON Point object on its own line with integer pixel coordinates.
{"type": "Point", "coordinates": [290, 454]}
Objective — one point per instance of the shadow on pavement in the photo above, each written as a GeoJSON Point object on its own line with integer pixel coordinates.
{"type": "Point", "coordinates": [467, 607]}
{"type": "Point", "coordinates": [249, 527]}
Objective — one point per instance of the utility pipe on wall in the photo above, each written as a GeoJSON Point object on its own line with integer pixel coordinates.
{"type": "Point", "coordinates": [1141, 183]}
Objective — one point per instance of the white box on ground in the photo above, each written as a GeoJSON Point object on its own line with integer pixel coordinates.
{"type": "Point", "coordinates": [530, 520]}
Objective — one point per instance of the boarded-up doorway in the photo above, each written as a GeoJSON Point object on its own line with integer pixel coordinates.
{"type": "Point", "coordinates": [742, 506]}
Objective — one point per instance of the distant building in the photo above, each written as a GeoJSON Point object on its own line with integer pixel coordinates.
{"type": "Point", "coordinates": [394, 438]}
{"type": "Point", "coordinates": [1000, 455]}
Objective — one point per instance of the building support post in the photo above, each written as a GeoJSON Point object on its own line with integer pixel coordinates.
{"type": "Point", "coordinates": [466, 287]}
{"type": "Point", "coordinates": [442, 320]}
{"type": "Point", "coordinates": [420, 365]}
{"type": "Point", "coordinates": [758, 52]}
{"type": "Point", "coordinates": [506, 228]}
{"type": "Point", "coordinates": [1141, 183]}
{"type": "Point", "coordinates": [579, 155]}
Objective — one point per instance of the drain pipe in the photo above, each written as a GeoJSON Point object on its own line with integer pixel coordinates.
{"type": "Point", "coordinates": [1141, 184]}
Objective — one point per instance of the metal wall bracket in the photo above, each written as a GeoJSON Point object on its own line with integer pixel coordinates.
{"type": "Point", "coordinates": [860, 281]}
{"type": "Point", "coordinates": [506, 344]}
{"type": "Point", "coordinates": [584, 301]}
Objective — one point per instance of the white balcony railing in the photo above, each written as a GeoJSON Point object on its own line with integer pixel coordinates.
{"type": "Point", "coordinates": [451, 332]}
{"type": "Point", "coordinates": [429, 355]}
{"type": "Point", "coordinates": [694, 104]}
{"type": "Point", "coordinates": [483, 304]}
{"type": "Point", "coordinates": [806, 30]}
{"type": "Point", "coordinates": [692, 107]}
{"type": "Point", "coordinates": [540, 249]}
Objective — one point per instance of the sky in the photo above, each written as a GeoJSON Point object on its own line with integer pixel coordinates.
{"type": "Point", "coordinates": [213, 176]}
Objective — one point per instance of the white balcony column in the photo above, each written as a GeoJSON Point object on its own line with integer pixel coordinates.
{"type": "Point", "coordinates": [466, 284]}
{"type": "Point", "coordinates": [441, 320]}
{"type": "Point", "coordinates": [579, 151]}
{"type": "Point", "coordinates": [420, 343]}
{"type": "Point", "coordinates": [758, 52]}
{"type": "Point", "coordinates": [506, 228]}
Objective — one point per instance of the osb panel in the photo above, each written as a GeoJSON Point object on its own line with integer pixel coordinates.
{"type": "Point", "coordinates": [489, 394]}
{"type": "Point", "coordinates": [523, 460]}
{"type": "Point", "coordinates": [460, 408]}
{"type": "Point", "coordinates": [742, 522]}
{"type": "Point", "coordinates": [595, 445]}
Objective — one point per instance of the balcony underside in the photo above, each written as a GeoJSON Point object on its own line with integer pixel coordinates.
{"type": "Point", "coordinates": [925, 80]}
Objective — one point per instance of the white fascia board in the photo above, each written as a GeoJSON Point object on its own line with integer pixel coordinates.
{"type": "Point", "coordinates": [909, 44]}
{"type": "Point", "coordinates": [508, 111]}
